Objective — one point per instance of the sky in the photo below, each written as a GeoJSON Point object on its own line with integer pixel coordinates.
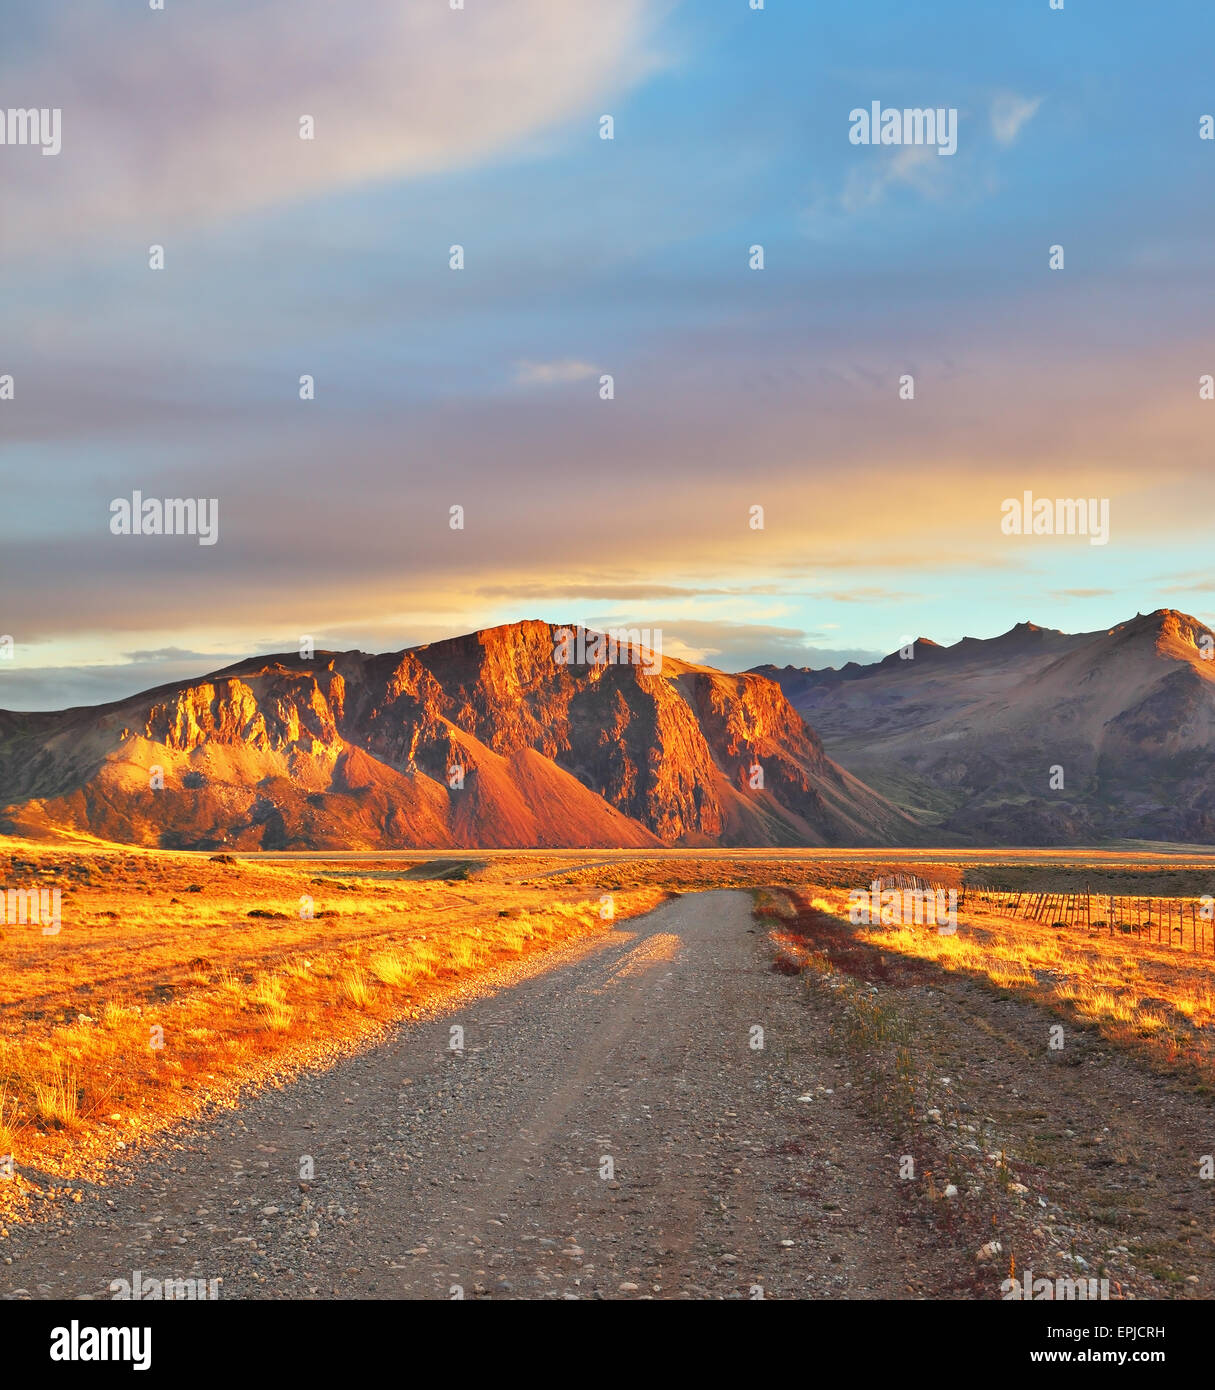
{"type": "Point", "coordinates": [584, 258]}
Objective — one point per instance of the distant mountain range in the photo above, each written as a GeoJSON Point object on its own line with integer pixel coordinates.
{"type": "Point", "coordinates": [482, 741]}
{"type": "Point", "coordinates": [1036, 737]}
{"type": "Point", "coordinates": [968, 738]}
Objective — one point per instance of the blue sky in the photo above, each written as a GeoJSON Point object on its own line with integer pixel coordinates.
{"type": "Point", "coordinates": [480, 387]}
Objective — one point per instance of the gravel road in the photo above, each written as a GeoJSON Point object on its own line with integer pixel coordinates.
{"type": "Point", "coordinates": [610, 1129]}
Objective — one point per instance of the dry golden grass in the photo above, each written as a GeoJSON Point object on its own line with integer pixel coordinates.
{"type": "Point", "coordinates": [1153, 998]}
{"type": "Point", "coordinates": [7, 1123]}
{"type": "Point", "coordinates": [56, 1095]}
{"type": "Point", "coordinates": [161, 941]}
{"type": "Point", "coordinates": [155, 997]}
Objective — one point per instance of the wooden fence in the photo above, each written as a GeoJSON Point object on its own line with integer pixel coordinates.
{"type": "Point", "coordinates": [889, 882]}
{"type": "Point", "coordinates": [1181, 922]}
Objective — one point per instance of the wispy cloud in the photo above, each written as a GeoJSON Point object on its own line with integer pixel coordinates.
{"type": "Point", "coordinates": [738, 646]}
{"type": "Point", "coordinates": [865, 594]}
{"type": "Point", "coordinates": [911, 166]}
{"type": "Point", "coordinates": [621, 590]}
{"type": "Point", "coordinates": [195, 114]}
{"type": "Point", "coordinates": [552, 373]}
{"type": "Point", "coordinates": [1009, 113]}
{"type": "Point", "coordinates": [169, 654]}
{"type": "Point", "coordinates": [62, 687]}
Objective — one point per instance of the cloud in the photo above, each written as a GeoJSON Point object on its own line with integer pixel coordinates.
{"type": "Point", "coordinates": [1009, 113]}
{"type": "Point", "coordinates": [567, 498]}
{"type": "Point", "coordinates": [1082, 593]}
{"type": "Point", "coordinates": [730, 646]}
{"type": "Point", "coordinates": [552, 373]}
{"type": "Point", "coordinates": [912, 166]}
{"type": "Point", "coordinates": [915, 167]}
{"type": "Point", "coordinates": [64, 687]}
{"type": "Point", "coordinates": [1186, 579]}
{"type": "Point", "coordinates": [193, 114]}
{"type": "Point", "coordinates": [619, 590]}
{"type": "Point", "coordinates": [169, 654]}
{"type": "Point", "coordinates": [738, 646]}
{"type": "Point", "coordinates": [865, 594]}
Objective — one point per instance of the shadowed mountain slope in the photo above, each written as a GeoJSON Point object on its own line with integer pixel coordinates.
{"type": "Point", "coordinates": [966, 736]}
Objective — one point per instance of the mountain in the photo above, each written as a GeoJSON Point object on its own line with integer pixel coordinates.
{"type": "Point", "coordinates": [350, 750]}
{"type": "Point", "coordinates": [965, 737]}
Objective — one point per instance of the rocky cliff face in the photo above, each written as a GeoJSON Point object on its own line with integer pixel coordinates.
{"type": "Point", "coordinates": [484, 740]}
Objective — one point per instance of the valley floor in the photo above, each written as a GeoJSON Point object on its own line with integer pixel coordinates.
{"type": "Point", "coordinates": [732, 1095]}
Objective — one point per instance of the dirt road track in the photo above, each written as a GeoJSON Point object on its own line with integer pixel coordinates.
{"type": "Point", "coordinates": [485, 1172]}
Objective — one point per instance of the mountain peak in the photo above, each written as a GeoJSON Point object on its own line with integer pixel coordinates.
{"type": "Point", "coordinates": [1172, 633]}
{"type": "Point", "coordinates": [1028, 632]}
{"type": "Point", "coordinates": [922, 647]}
{"type": "Point", "coordinates": [527, 734]}
{"type": "Point", "coordinates": [962, 738]}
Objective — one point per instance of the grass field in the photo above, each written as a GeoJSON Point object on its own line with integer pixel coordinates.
{"type": "Point", "coordinates": [176, 979]}
{"type": "Point", "coordinates": [1156, 1000]}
